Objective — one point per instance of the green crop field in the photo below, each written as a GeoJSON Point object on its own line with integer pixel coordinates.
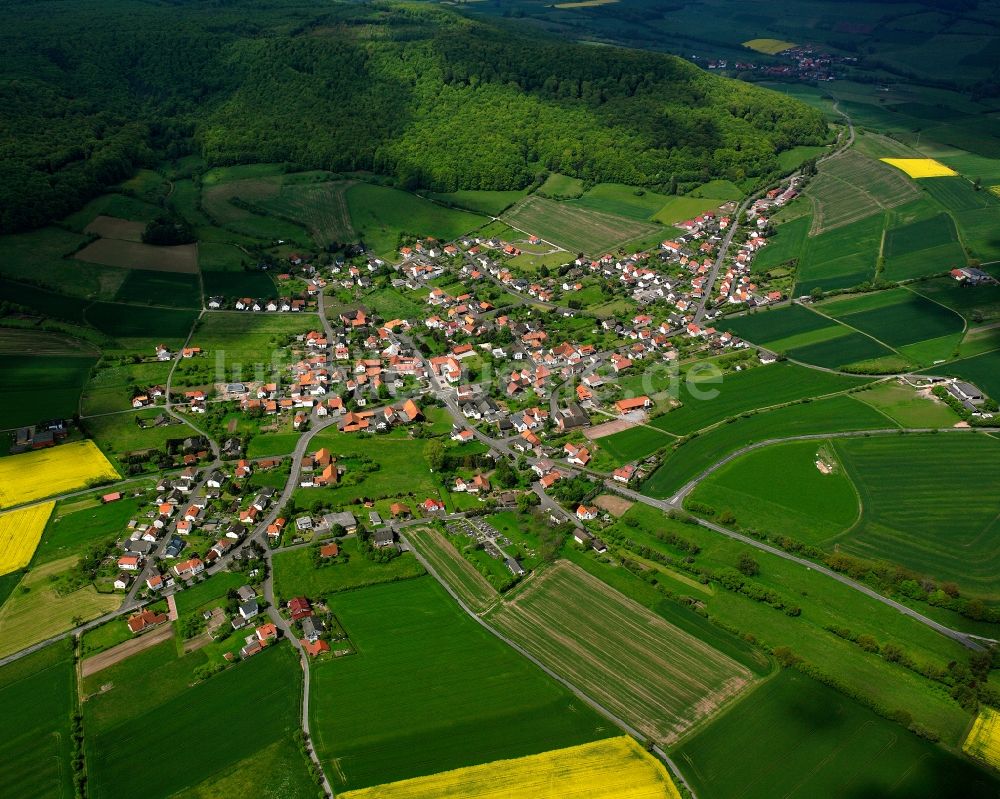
{"type": "Point", "coordinates": [921, 248]}
{"type": "Point", "coordinates": [655, 676]}
{"type": "Point", "coordinates": [840, 258]}
{"type": "Point", "coordinates": [57, 306]}
{"type": "Point", "coordinates": [455, 692]}
{"type": "Point", "coordinates": [958, 195]}
{"type": "Point", "coordinates": [451, 566]}
{"type": "Point", "coordinates": [831, 415]}
{"type": "Point", "coordinates": [319, 207]}
{"type": "Point", "coordinates": [842, 351]}
{"type": "Point", "coordinates": [982, 370]}
{"type": "Point", "coordinates": [140, 322]}
{"type": "Point", "coordinates": [78, 523]}
{"type": "Point", "coordinates": [112, 386]}
{"type": "Point", "coordinates": [295, 574]}
{"type": "Point", "coordinates": [900, 317]}
{"type": "Point", "coordinates": [978, 304]}
{"type": "Point", "coordinates": [491, 203]}
{"type": "Point", "coordinates": [780, 489]}
{"type": "Point", "coordinates": [944, 529]}
{"type": "Point", "coordinates": [256, 285]}
{"type": "Point", "coordinates": [829, 745]}
{"type": "Point", "coordinates": [174, 289]}
{"type": "Point", "coordinates": [390, 303]}
{"type": "Point", "coordinates": [785, 245]}
{"type": "Point", "coordinates": [380, 214]}
{"type": "Point", "coordinates": [37, 693]}
{"type": "Point", "coordinates": [573, 227]}
{"type": "Point", "coordinates": [118, 434]}
{"type": "Point", "coordinates": [260, 698]}
{"type": "Point", "coordinates": [739, 392]}
{"type": "Point", "coordinates": [769, 328]}
{"type": "Point", "coordinates": [39, 387]}
{"type": "Point", "coordinates": [678, 209]}
{"type": "Point", "coordinates": [627, 201]}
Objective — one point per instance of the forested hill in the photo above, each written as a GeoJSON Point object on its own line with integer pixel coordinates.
{"type": "Point", "coordinates": [89, 90]}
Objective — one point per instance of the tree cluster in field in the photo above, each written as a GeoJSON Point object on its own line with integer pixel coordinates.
{"type": "Point", "coordinates": [77, 758]}
{"type": "Point", "coordinates": [421, 94]}
{"type": "Point", "coordinates": [167, 231]}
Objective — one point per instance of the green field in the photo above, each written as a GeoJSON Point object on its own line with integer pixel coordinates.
{"type": "Point", "coordinates": [903, 404]}
{"type": "Point", "coordinates": [114, 384]}
{"type": "Point", "coordinates": [780, 489]}
{"type": "Point", "coordinates": [79, 522]}
{"type": "Point", "coordinates": [37, 693]}
{"type": "Point", "coordinates": [491, 203]}
{"type": "Point", "coordinates": [260, 697]}
{"type": "Point", "coordinates": [842, 351]}
{"type": "Point", "coordinates": [118, 434]}
{"type": "Point", "coordinates": [828, 745]}
{"type": "Point", "coordinates": [175, 289]}
{"type": "Point", "coordinates": [784, 246]}
{"type": "Point", "coordinates": [978, 304]}
{"type": "Point", "coordinates": [140, 322]}
{"type": "Point", "coordinates": [982, 370]}
{"type": "Point", "coordinates": [944, 530]}
{"type": "Point", "coordinates": [380, 214]}
{"type": "Point", "coordinates": [295, 575]}
{"type": "Point", "coordinates": [627, 201]}
{"type": "Point", "coordinates": [678, 209]}
{"type": "Point", "coordinates": [430, 690]}
{"type": "Point", "coordinates": [840, 258]}
{"type": "Point", "coordinates": [823, 416]}
{"type": "Point", "coordinates": [561, 186]}
{"type": "Point", "coordinates": [770, 328]}
{"type": "Point", "coordinates": [574, 227]}
{"type": "Point", "coordinates": [48, 303]}
{"type": "Point", "coordinates": [921, 248]}
{"type": "Point", "coordinates": [321, 208]}
{"type": "Point", "coordinates": [39, 387]}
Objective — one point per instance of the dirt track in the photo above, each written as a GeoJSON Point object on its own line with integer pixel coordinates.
{"type": "Point", "coordinates": [116, 654]}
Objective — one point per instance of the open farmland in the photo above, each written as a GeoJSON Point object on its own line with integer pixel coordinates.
{"type": "Point", "coordinates": [852, 186]}
{"type": "Point", "coordinates": [907, 406]}
{"type": "Point", "coordinates": [621, 200]}
{"type": "Point", "coordinates": [908, 519]}
{"type": "Point", "coordinates": [111, 227]}
{"type": "Point", "coordinates": [804, 504]}
{"type": "Point", "coordinates": [983, 742]}
{"type": "Point", "coordinates": [921, 248]}
{"type": "Point", "coordinates": [20, 532]}
{"type": "Point", "coordinates": [40, 612]}
{"type": "Point", "coordinates": [982, 370]}
{"type": "Point", "coordinates": [452, 567]}
{"type": "Point", "coordinates": [45, 472]}
{"type": "Point", "coordinates": [978, 304]}
{"type": "Point", "coordinates": [44, 386]}
{"type": "Point", "coordinates": [829, 745]}
{"type": "Point", "coordinates": [655, 676]}
{"type": "Point", "coordinates": [491, 203]}
{"type": "Point", "coordinates": [37, 696]}
{"type": "Point", "coordinates": [320, 207]}
{"type": "Point", "coordinates": [258, 697]}
{"type": "Point", "coordinates": [575, 228]}
{"type": "Point", "coordinates": [921, 167]}
{"type": "Point", "coordinates": [840, 258]}
{"type": "Point", "coordinates": [175, 289]}
{"type": "Point", "coordinates": [457, 692]}
{"type": "Point", "coordinates": [136, 255]}
{"type": "Point", "coordinates": [784, 246]}
{"type": "Point", "coordinates": [690, 459]}
{"type": "Point", "coordinates": [608, 769]}
{"type": "Point", "coordinates": [769, 46]}
{"type": "Point", "coordinates": [120, 321]}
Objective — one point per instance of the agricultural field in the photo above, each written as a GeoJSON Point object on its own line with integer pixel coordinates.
{"type": "Point", "coordinates": [452, 567]}
{"type": "Point", "coordinates": [223, 189]}
{"type": "Point", "coordinates": [113, 227]}
{"type": "Point", "coordinates": [46, 303]}
{"type": "Point", "coordinates": [924, 247]}
{"type": "Point", "coordinates": [490, 203]}
{"type": "Point", "coordinates": [173, 289]}
{"type": "Point", "coordinates": [769, 46]}
{"type": "Point", "coordinates": [39, 387]}
{"type": "Point", "coordinates": [852, 186]}
{"type": "Point", "coordinates": [908, 407]}
{"type": "Point", "coordinates": [119, 434]}
{"type": "Point", "coordinates": [319, 207]}
{"type": "Point", "coordinates": [982, 370]}
{"type": "Point", "coordinates": [805, 503]}
{"type": "Point", "coordinates": [136, 255]}
{"type": "Point", "coordinates": [42, 473]}
{"type": "Point", "coordinates": [112, 386]}
{"type": "Point", "coordinates": [80, 521]}
{"type": "Point", "coordinates": [20, 532]}
{"type": "Point", "coordinates": [260, 697]}
{"type": "Point", "coordinates": [575, 228]}
{"type": "Point", "coordinates": [907, 518]}
{"type": "Point", "coordinates": [295, 574]}
{"type": "Point", "coordinates": [690, 459]}
{"type": "Point", "coordinates": [842, 257]}
{"type": "Point", "coordinates": [32, 615]}
{"type": "Point", "coordinates": [677, 209]}
{"type": "Point", "coordinates": [457, 692]}
{"type": "Point", "coordinates": [977, 304]}
{"type": "Point", "coordinates": [37, 694]}
{"type": "Point", "coordinates": [561, 186]}
{"type": "Point", "coordinates": [142, 324]}
{"type": "Point", "coordinates": [380, 214]}
{"type": "Point", "coordinates": [627, 201]}
{"type": "Point", "coordinates": [921, 167]}
{"type": "Point", "coordinates": [655, 676]}
{"type": "Point", "coordinates": [608, 769]}
{"type": "Point", "coordinates": [830, 745]}
{"type": "Point", "coordinates": [983, 742]}
{"type": "Point", "coordinates": [784, 246]}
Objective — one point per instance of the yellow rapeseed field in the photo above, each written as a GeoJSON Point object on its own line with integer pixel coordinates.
{"type": "Point", "coordinates": [45, 472]}
{"type": "Point", "coordinates": [769, 46]}
{"type": "Point", "coordinates": [615, 768]}
{"type": "Point", "coordinates": [921, 167]}
{"type": "Point", "coordinates": [20, 531]}
{"type": "Point", "coordinates": [983, 742]}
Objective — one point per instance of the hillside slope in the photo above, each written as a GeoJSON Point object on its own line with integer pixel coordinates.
{"type": "Point", "coordinates": [418, 92]}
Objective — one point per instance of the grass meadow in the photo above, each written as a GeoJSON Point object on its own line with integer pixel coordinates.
{"type": "Point", "coordinates": [429, 690]}
{"type": "Point", "coordinates": [491, 203]}
{"type": "Point", "coordinates": [259, 697]}
{"type": "Point", "coordinates": [37, 693]}
{"type": "Point", "coordinates": [902, 403]}
{"type": "Point", "coordinates": [829, 745]}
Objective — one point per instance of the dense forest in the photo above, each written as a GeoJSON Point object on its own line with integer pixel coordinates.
{"type": "Point", "coordinates": [91, 90]}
